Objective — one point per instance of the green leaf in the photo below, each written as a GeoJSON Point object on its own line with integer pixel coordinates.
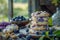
{"type": "Point", "coordinates": [57, 33]}
{"type": "Point", "coordinates": [50, 21]}
{"type": "Point", "coordinates": [41, 38]}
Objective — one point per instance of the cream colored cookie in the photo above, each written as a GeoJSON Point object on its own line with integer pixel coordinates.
{"type": "Point", "coordinates": [31, 31]}
{"type": "Point", "coordinates": [12, 35]}
{"type": "Point", "coordinates": [42, 23]}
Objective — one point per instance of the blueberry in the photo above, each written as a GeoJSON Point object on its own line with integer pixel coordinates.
{"type": "Point", "coordinates": [20, 19]}
{"type": "Point", "coordinates": [23, 18]}
{"type": "Point", "coordinates": [43, 33]}
{"type": "Point", "coordinates": [0, 30]}
{"type": "Point", "coordinates": [29, 37]}
{"type": "Point", "coordinates": [27, 30]}
{"type": "Point", "coordinates": [37, 33]}
{"type": "Point", "coordinates": [16, 20]}
{"type": "Point", "coordinates": [50, 32]}
{"type": "Point", "coordinates": [16, 31]}
{"type": "Point", "coordinates": [20, 36]}
{"type": "Point", "coordinates": [13, 19]}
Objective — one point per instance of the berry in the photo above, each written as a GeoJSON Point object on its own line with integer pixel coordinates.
{"type": "Point", "coordinates": [37, 33]}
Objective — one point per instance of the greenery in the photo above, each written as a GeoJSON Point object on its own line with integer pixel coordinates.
{"type": "Point", "coordinates": [50, 21]}
{"type": "Point", "coordinates": [20, 1]}
{"type": "Point", "coordinates": [16, 11]}
{"type": "Point", "coordinates": [3, 10]}
{"type": "Point", "coordinates": [57, 33]}
{"type": "Point", "coordinates": [56, 2]}
{"type": "Point", "coordinates": [23, 10]}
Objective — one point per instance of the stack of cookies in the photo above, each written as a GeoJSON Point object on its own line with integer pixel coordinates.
{"type": "Point", "coordinates": [39, 21]}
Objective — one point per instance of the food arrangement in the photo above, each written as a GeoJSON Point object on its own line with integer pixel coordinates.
{"type": "Point", "coordinates": [19, 18]}
{"type": "Point", "coordinates": [20, 21]}
{"type": "Point", "coordinates": [38, 27]}
{"type": "Point", "coordinates": [39, 21]}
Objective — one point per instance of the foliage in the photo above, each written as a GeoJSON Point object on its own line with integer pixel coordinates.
{"type": "Point", "coordinates": [3, 10]}
{"type": "Point", "coordinates": [41, 38]}
{"type": "Point", "coordinates": [17, 11]}
{"type": "Point", "coordinates": [2, 1]}
{"type": "Point", "coordinates": [56, 2]}
{"type": "Point", "coordinates": [57, 33]}
{"type": "Point", "coordinates": [50, 21]}
{"type": "Point", "coordinates": [20, 1]}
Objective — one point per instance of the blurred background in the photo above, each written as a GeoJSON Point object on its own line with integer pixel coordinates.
{"type": "Point", "coordinates": [20, 7]}
{"type": "Point", "coordinates": [23, 7]}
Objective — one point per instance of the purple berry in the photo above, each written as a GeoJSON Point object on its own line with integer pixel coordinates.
{"type": "Point", "coordinates": [40, 19]}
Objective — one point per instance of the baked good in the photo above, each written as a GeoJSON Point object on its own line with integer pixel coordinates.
{"type": "Point", "coordinates": [13, 36]}
{"type": "Point", "coordinates": [39, 21]}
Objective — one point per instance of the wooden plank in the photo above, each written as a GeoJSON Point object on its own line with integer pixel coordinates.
{"type": "Point", "coordinates": [30, 7]}
{"type": "Point", "coordinates": [10, 9]}
{"type": "Point", "coordinates": [37, 5]}
{"type": "Point", "coordinates": [33, 6]}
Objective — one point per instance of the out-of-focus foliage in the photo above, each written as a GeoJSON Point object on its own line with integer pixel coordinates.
{"type": "Point", "coordinates": [56, 2]}
{"type": "Point", "coordinates": [2, 1]}
{"type": "Point", "coordinates": [3, 7]}
{"type": "Point", "coordinates": [57, 33]}
{"type": "Point", "coordinates": [20, 1]}
{"type": "Point", "coordinates": [3, 10]}
{"type": "Point", "coordinates": [20, 8]}
{"type": "Point", "coordinates": [41, 38]}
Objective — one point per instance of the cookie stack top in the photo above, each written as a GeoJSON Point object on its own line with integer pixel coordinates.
{"type": "Point", "coordinates": [39, 20]}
